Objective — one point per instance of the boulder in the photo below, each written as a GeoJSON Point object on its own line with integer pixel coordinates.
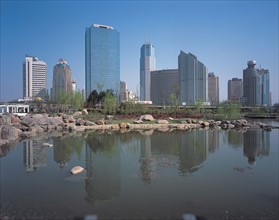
{"type": "Point", "coordinates": [138, 122]}
{"type": "Point", "coordinates": [146, 118]}
{"type": "Point", "coordinates": [100, 122]}
{"type": "Point", "coordinates": [76, 170]}
{"type": "Point", "coordinates": [85, 112]}
{"type": "Point", "coordinates": [122, 125]}
{"type": "Point", "coordinates": [9, 133]}
{"type": "Point", "coordinates": [89, 123]}
{"type": "Point", "coordinates": [76, 114]}
{"type": "Point", "coordinates": [114, 127]}
{"type": "Point", "coordinates": [205, 124]}
{"type": "Point", "coordinates": [109, 117]}
{"type": "Point", "coordinates": [4, 119]}
{"type": "Point", "coordinates": [162, 122]}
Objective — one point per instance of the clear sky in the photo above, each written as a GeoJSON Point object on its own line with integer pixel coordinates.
{"type": "Point", "coordinates": [223, 35]}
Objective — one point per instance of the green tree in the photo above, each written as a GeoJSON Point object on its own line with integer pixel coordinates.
{"type": "Point", "coordinates": [110, 103]}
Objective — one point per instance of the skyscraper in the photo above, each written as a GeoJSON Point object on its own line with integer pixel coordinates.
{"type": "Point", "coordinates": [256, 90]}
{"type": "Point", "coordinates": [193, 79]}
{"type": "Point", "coordinates": [62, 79]}
{"type": "Point", "coordinates": [164, 84]}
{"type": "Point", "coordinates": [147, 64]}
{"type": "Point", "coordinates": [102, 58]}
{"type": "Point", "coordinates": [235, 89]}
{"type": "Point", "coordinates": [34, 78]}
{"type": "Point", "coordinates": [213, 89]}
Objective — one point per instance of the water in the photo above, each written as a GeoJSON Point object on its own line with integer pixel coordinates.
{"type": "Point", "coordinates": [143, 175]}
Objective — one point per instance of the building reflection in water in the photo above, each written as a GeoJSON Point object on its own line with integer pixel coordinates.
{"type": "Point", "coordinates": [35, 155]}
{"type": "Point", "coordinates": [147, 169]}
{"type": "Point", "coordinates": [189, 148]}
{"type": "Point", "coordinates": [256, 143]}
{"type": "Point", "coordinates": [193, 151]}
{"type": "Point", "coordinates": [103, 159]}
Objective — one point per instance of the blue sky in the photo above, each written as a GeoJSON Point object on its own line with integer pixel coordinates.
{"type": "Point", "coordinates": [223, 35]}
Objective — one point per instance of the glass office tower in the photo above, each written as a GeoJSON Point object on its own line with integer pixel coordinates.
{"type": "Point", "coordinates": [102, 58]}
{"type": "Point", "coordinates": [193, 79]}
{"type": "Point", "coordinates": [147, 64]}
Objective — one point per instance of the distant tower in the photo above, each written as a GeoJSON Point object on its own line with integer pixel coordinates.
{"type": "Point", "coordinates": [213, 89]}
{"type": "Point", "coordinates": [193, 79]}
{"type": "Point", "coordinates": [102, 58]}
{"type": "Point", "coordinates": [235, 89]}
{"type": "Point", "coordinates": [256, 90]}
{"type": "Point", "coordinates": [147, 64]}
{"type": "Point", "coordinates": [34, 78]}
{"type": "Point", "coordinates": [62, 79]}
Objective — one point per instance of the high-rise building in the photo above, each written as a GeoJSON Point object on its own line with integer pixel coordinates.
{"type": "Point", "coordinates": [256, 90]}
{"type": "Point", "coordinates": [213, 89]}
{"type": "Point", "coordinates": [34, 78]}
{"type": "Point", "coordinates": [62, 79]}
{"type": "Point", "coordinates": [235, 89]}
{"type": "Point", "coordinates": [123, 96]}
{"type": "Point", "coordinates": [193, 79]}
{"type": "Point", "coordinates": [147, 64]}
{"type": "Point", "coordinates": [164, 86]}
{"type": "Point", "coordinates": [102, 58]}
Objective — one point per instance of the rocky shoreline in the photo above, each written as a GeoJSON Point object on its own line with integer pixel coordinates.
{"type": "Point", "coordinates": [14, 128]}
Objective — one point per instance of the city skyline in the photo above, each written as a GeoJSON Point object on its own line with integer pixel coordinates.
{"type": "Point", "coordinates": [223, 35]}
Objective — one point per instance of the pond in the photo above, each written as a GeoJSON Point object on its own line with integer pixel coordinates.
{"type": "Point", "coordinates": [217, 174]}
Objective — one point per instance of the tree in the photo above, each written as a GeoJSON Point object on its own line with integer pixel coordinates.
{"type": "Point", "coordinates": [110, 103]}
{"type": "Point", "coordinates": [93, 97]}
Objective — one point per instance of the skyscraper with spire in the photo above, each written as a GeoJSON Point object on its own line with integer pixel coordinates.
{"type": "Point", "coordinates": [147, 64]}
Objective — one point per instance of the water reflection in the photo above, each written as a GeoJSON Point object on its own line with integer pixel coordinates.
{"type": "Point", "coordinates": [256, 143]}
{"type": "Point", "coordinates": [103, 158]}
{"type": "Point", "coordinates": [65, 147]}
{"type": "Point", "coordinates": [35, 154]}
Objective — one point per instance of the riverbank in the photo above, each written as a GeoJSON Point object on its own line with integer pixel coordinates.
{"type": "Point", "coordinates": [15, 128]}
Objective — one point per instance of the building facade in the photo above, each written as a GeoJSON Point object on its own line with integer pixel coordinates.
{"type": "Point", "coordinates": [147, 64]}
{"type": "Point", "coordinates": [213, 89]}
{"type": "Point", "coordinates": [235, 89]}
{"type": "Point", "coordinates": [102, 59]}
{"type": "Point", "coordinates": [164, 87]}
{"type": "Point", "coordinates": [62, 79]}
{"type": "Point", "coordinates": [193, 79]}
{"type": "Point", "coordinates": [256, 91]}
{"type": "Point", "coordinates": [123, 96]}
{"type": "Point", "coordinates": [34, 78]}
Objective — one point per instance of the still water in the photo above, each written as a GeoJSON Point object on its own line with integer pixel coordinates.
{"type": "Point", "coordinates": [143, 175]}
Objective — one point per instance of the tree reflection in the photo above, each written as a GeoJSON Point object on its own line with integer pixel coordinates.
{"type": "Point", "coordinates": [256, 143]}
{"type": "Point", "coordinates": [65, 147]}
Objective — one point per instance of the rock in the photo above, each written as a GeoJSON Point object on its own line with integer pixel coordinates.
{"type": "Point", "coordinates": [89, 123]}
{"type": "Point", "coordinates": [4, 119]}
{"type": "Point", "coordinates": [15, 119]}
{"type": "Point", "coordinates": [109, 117]}
{"type": "Point", "coordinates": [76, 114]}
{"type": "Point", "coordinates": [170, 118]}
{"type": "Point", "coordinates": [114, 127]}
{"type": "Point", "coordinates": [85, 112]}
{"type": "Point", "coordinates": [162, 122]}
{"type": "Point", "coordinates": [138, 122]}
{"type": "Point", "coordinates": [205, 124]}
{"type": "Point", "coordinates": [100, 122]}
{"type": "Point", "coordinates": [146, 118]}
{"type": "Point", "coordinates": [122, 125]}
{"type": "Point", "coordinates": [76, 170]}
{"type": "Point", "coordinates": [9, 133]}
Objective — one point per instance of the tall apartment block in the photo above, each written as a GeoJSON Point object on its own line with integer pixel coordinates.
{"type": "Point", "coordinates": [256, 91]}
{"type": "Point", "coordinates": [62, 79]}
{"type": "Point", "coordinates": [164, 83]}
{"type": "Point", "coordinates": [147, 64]}
{"type": "Point", "coordinates": [102, 58]}
{"type": "Point", "coordinates": [235, 89]}
{"type": "Point", "coordinates": [34, 78]}
{"type": "Point", "coordinates": [193, 79]}
{"type": "Point", "coordinates": [213, 89]}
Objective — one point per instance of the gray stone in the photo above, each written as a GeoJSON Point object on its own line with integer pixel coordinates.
{"type": "Point", "coordinates": [162, 122]}
{"type": "Point", "coordinates": [146, 118]}
{"type": "Point", "coordinates": [85, 112]}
